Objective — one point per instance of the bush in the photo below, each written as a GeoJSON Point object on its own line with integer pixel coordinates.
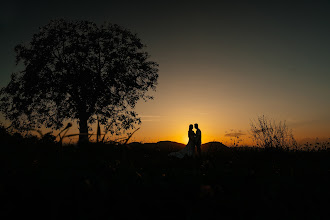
{"type": "Point", "coordinates": [268, 133]}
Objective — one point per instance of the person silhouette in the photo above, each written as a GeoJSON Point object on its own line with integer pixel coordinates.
{"type": "Point", "coordinates": [189, 148]}
{"type": "Point", "coordinates": [198, 140]}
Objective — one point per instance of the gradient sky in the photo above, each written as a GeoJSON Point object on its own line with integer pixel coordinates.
{"type": "Point", "coordinates": [221, 63]}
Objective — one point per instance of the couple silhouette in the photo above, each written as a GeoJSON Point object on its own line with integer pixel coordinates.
{"type": "Point", "coordinates": [195, 139]}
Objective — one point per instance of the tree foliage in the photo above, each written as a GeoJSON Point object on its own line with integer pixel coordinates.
{"type": "Point", "coordinates": [77, 70]}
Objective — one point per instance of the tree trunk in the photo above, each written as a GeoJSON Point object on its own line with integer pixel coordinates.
{"type": "Point", "coordinates": [83, 130]}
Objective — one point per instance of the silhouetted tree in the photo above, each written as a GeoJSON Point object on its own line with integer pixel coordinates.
{"type": "Point", "coordinates": [77, 70]}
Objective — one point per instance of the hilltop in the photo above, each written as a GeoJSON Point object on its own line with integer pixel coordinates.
{"type": "Point", "coordinates": [174, 146]}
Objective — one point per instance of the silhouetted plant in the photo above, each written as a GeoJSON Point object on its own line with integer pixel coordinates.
{"type": "Point", "coordinates": [235, 137]}
{"type": "Point", "coordinates": [316, 145]}
{"type": "Point", "coordinates": [48, 138]}
{"type": "Point", "coordinates": [269, 134]}
{"type": "Point", "coordinates": [77, 70]}
{"type": "Point", "coordinates": [4, 133]}
{"type": "Point", "coordinates": [11, 135]}
{"type": "Point", "coordinates": [64, 131]}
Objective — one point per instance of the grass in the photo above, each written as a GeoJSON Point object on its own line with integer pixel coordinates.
{"type": "Point", "coordinates": [103, 181]}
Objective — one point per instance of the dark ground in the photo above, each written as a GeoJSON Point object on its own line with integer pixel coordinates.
{"type": "Point", "coordinates": [46, 181]}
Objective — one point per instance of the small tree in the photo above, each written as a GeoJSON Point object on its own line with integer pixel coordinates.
{"type": "Point", "coordinates": [270, 134]}
{"type": "Point", "coordinates": [77, 70]}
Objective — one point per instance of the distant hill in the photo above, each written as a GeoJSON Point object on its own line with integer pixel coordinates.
{"type": "Point", "coordinates": [169, 145]}
{"type": "Point", "coordinates": [214, 146]}
{"type": "Point", "coordinates": [161, 145]}
{"type": "Point", "coordinates": [173, 146]}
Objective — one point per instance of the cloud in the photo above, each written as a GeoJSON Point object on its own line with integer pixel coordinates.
{"type": "Point", "coordinates": [234, 134]}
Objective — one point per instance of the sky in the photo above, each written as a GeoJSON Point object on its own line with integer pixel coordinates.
{"type": "Point", "coordinates": [221, 63]}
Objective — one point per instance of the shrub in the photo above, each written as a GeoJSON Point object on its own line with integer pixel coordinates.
{"type": "Point", "coordinates": [268, 133]}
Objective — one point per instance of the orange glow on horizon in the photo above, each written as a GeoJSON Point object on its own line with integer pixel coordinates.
{"type": "Point", "coordinates": [213, 129]}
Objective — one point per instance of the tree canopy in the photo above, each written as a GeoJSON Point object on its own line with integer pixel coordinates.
{"type": "Point", "coordinates": [78, 70]}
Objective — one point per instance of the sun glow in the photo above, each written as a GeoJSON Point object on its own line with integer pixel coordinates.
{"type": "Point", "coordinates": [185, 140]}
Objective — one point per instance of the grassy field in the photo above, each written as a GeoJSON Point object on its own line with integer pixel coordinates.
{"type": "Point", "coordinates": [99, 181]}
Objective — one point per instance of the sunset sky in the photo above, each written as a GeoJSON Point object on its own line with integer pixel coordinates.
{"type": "Point", "coordinates": [221, 63]}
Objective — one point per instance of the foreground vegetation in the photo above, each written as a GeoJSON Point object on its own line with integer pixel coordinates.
{"type": "Point", "coordinates": [42, 179]}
